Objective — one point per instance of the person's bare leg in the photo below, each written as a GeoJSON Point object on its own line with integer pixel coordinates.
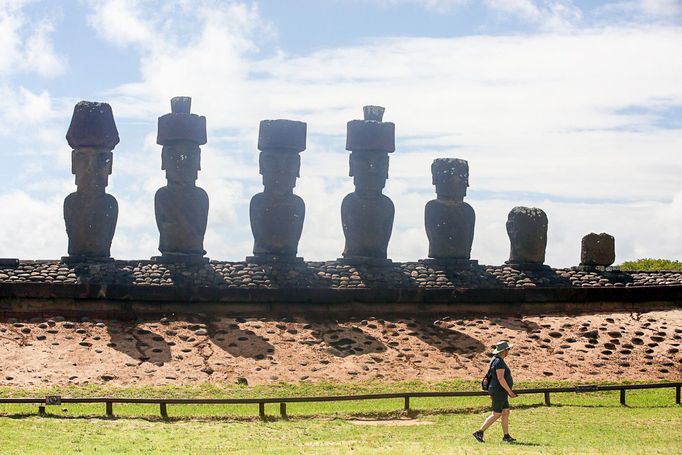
{"type": "Point", "coordinates": [490, 420]}
{"type": "Point", "coordinates": [505, 421]}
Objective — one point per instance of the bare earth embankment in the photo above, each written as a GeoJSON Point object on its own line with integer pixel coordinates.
{"type": "Point", "coordinates": [192, 350]}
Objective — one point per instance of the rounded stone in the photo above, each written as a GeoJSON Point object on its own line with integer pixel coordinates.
{"type": "Point", "coordinates": [92, 125]}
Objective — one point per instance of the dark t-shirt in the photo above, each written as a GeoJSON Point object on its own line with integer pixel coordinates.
{"type": "Point", "coordinates": [499, 364]}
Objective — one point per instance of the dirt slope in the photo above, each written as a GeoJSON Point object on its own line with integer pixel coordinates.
{"type": "Point", "coordinates": [191, 350]}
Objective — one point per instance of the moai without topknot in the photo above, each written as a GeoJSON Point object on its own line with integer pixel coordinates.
{"type": "Point", "coordinates": [450, 221]}
{"type": "Point", "coordinates": [90, 213]}
{"type": "Point", "coordinates": [181, 207]}
{"type": "Point", "coordinates": [527, 230]}
{"type": "Point", "coordinates": [597, 251]}
{"type": "Point", "coordinates": [366, 214]}
{"type": "Point", "coordinates": [277, 214]}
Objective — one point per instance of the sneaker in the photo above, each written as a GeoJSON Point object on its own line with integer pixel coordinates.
{"type": "Point", "coordinates": [478, 435]}
{"type": "Point", "coordinates": [508, 438]}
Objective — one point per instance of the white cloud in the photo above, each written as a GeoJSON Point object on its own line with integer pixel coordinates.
{"type": "Point", "coordinates": [26, 48]}
{"type": "Point", "coordinates": [185, 47]}
{"type": "Point", "coordinates": [539, 117]}
{"type": "Point", "coordinates": [25, 43]}
{"type": "Point", "coordinates": [23, 108]}
{"type": "Point", "coordinates": [533, 114]}
{"type": "Point", "coordinates": [664, 10]}
{"type": "Point", "coordinates": [548, 14]}
{"type": "Point", "coordinates": [29, 226]}
{"type": "Point", "coordinates": [437, 6]}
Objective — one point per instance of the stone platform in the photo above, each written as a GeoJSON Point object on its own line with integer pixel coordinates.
{"type": "Point", "coordinates": [133, 287]}
{"type": "Point", "coordinates": [322, 275]}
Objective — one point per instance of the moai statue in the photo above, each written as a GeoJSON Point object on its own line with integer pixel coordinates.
{"type": "Point", "coordinates": [277, 214]}
{"type": "Point", "coordinates": [367, 214]}
{"type": "Point", "coordinates": [597, 250]}
{"type": "Point", "coordinates": [90, 213]}
{"type": "Point", "coordinates": [181, 207]}
{"type": "Point", "coordinates": [449, 221]}
{"type": "Point", "coordinates": [527, 230]}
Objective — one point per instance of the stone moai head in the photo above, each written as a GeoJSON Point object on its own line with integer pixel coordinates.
{"type": "Point", "coordinates": [280, 142]}
{"type": "Point", "coordinates": [451, 178]}
{"type": "Point", "coordinates": [92, 135]}
{"type": "Point", "coordinates": [598, 250]}
{"type": "Point", "coordinates": [527, 230]}
{"type": "Point", "coordinates": [370, 141]}
{"type": "Point", "coordinates": [181, 133]}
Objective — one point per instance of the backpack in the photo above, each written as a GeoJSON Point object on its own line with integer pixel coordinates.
{"type": "Point", "coordinates": [485, 382]}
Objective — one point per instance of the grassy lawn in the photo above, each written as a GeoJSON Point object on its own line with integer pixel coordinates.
{"type": "Point", "coordinates": [585, 423]}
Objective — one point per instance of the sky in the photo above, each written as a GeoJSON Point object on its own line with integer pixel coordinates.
{"type": "Point", "coordinates": [571, 106]}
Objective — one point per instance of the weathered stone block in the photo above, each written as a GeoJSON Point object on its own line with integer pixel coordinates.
{"type": "Point", "coordinates": [282, 135]}
{"type": "Point", "coordinates": [598, 250]}
{"type": "Point", "coordinates": [527, 230]}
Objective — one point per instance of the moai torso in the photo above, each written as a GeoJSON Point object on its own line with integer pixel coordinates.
{"type": "Point", "coordinates": [181, 208]}
{"type": "Point", "coordinates": [450, 221]}
{"type": "Point", "coordinates": [90, 214]}
{"type": "Point", "coordinates": [450, 229]}
{"type": "Point", "coordinates": [277, 224]}
{"type": "Point", "coordinates": [366, 214]}
{"type": "Point", "coordinates": [181, 216]}
{"type": "Point", "coordinates": [90, 224]}
{"type": "Point", "coordinates": [598, 250]}
{"type": "Point", "coordinates": [367, 224]}
{"type": "Point", "coordinates": [527, 230]}
{"type": "Point", "coordinates": [277, 214]}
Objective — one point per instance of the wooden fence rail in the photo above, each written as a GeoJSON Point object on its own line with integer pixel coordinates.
{"type": "Point", "coordinates": [261, 402]}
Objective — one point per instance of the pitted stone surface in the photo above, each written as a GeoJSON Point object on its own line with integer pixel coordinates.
{"type": "Point", "coordinates": [331, 274]}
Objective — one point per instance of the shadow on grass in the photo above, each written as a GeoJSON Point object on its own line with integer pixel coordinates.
{"type": "Point", "coordinates": [377, 415]}
{"type": "Point", "coordinates": [615, 405]}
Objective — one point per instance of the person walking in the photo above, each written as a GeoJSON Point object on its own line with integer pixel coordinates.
{"type": "Point", "coordinates": [500, 385]}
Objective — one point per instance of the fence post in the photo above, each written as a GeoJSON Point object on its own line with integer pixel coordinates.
{"type": "Point", "coordinates": [407, 403]}
{"type": "Point", "coordinates": [41, 410]}
{"type": "Point", "coordinates": [283, 410]}
{"type": "Point", "coordinates": [677, 394]}
{"type": "Point", "coordinates": [110, 409]}
{"type": "Point", "coordinates": [164, 411]}
{"type": "Point", "coordinates": [622, 397]}
{"type": "Point", "coordinates": [261, 410]}
{"type": "Point", "coordinates": [547, 400]}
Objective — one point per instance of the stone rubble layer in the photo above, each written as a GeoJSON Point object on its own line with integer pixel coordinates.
{"type": "Point", "coordinates": [325, 275]}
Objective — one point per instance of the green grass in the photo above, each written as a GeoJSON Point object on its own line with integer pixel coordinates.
{"type": "Point", "coordinates": [651, 264]}
{"type": "Point", "coordinates": [576, 423]}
